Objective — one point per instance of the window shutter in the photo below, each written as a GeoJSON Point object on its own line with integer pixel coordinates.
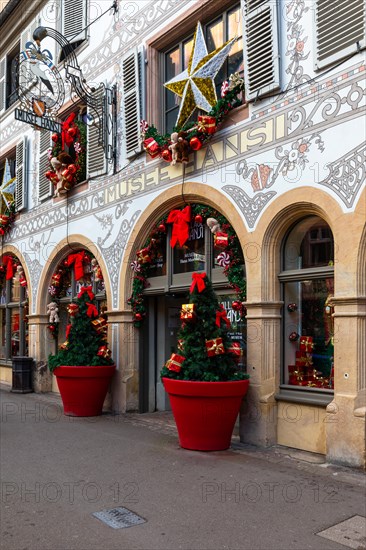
{"type": "Point", "coordinates": [131, 103]}
{"type": "Point", "coordinates": [74, 20]}
{"type": "Point", "coordinates": [2, 84]}
{"type": "Point", "coordinates": [21, 173]}
{"type": "Point", "coordinates": [261, 53]}
{"type": "Point", "coordinates": [45, 186]}
{"type": "Point", "coordinates": [96, 158]}
{"type": "Point", "coordinates": [339, 27]}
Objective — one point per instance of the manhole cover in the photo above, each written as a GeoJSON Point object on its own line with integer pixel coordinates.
{"type": "Point", "coordinates": [351, 533]}
{"type": "Point", "coordinates": [119, 518]}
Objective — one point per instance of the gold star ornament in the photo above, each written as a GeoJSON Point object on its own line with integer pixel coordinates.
{"type": "Point", "coordinates": [7, 189]}
{"type": "Point", "coordinates": [196, 84]}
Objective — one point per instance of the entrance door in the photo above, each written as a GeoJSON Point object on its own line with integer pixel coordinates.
{"type": "Point", "coordinates": [163, 326]}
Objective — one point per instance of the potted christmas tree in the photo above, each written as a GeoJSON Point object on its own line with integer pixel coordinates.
{"type": "Point", "coordinates": [203, 382]}
{"type": "Point", "coordinates": [83, 365]}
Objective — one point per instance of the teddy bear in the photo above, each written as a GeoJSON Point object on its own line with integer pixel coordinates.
{"type": "Point", "coordinates": [173, 148]}
{"type": "Point", "coordinates": [59, 164]}
{"type": "Point", "coordinates": [52, 311]}
{"type": "Point", "coordinates": [213, 225]}
{"type": "Point", "coordinates": [182, 148]}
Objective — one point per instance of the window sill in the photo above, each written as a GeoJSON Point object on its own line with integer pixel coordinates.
{"type": "Point", "coordinates": [309, 396]}
{"type": "Point", "coordinates": [78, 188]}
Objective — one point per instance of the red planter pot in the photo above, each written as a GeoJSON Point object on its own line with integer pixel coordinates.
{"type": "Point", "coordinates": [205, 412]}
{"type": "Point", "coordinates": [83, 389]}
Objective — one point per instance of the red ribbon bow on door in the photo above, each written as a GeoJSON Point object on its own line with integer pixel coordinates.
{"type": "Point", "coordinates": [8, 262]}
{"type": "Point", "coordinates": [221, 314]}
{"type": "Point", "coordinates": [180, 220]}
{"type": "Point", "coordinates": [198, 280]}
{"type": "Point", "coordinates": [88, 290]}
{"type": "Point", "coordinates": [77, 260]}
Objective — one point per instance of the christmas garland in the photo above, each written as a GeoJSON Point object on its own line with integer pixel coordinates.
{"type": "Point", "coordinates": [230, 258]}
{"type": "Point", "coordinates": [175, 147]}
{"type": "Point", "coordinates": [7, 219]}
{"type": "Point", "coordinates": [67, 170]}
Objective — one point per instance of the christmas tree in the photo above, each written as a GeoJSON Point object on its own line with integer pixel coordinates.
{"type": "Point", "coordinates": [205, 351]}
{"type": "Point", "coordinates": [86, 336]}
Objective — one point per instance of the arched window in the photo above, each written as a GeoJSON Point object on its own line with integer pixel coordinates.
{"type": "Point", "coordinates": [78, 269]}
{"type": "Point", "coordinates": [307, 290]}
{"type": "Point", "coordinates": [13, 309]}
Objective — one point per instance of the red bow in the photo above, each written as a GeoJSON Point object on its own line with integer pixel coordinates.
{"type": "Point", "coordinates": [197, 280]}
{"type": "Point", "coordinates": [77, 260]}
{"type": "Point", "coordinates": [66, 138]}
{"type": "Point", "coordinates": [8, 262]}
{"type": "Point", "coordinates": [68, 328]}
{"type": "Point", "coordinates": [221, 314]}
{"type": "Point", "coordinates": [92, 310]}
{"type": "Point", "coordinates": [88, 290]}
{"type": "Point", "coordinates": [180, 220]}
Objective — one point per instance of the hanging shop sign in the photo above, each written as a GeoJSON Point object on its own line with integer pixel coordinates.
{"type": "Point", "coordinates": [40, 121]}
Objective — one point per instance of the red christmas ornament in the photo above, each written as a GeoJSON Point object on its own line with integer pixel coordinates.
{"type": "Point", "coordinates": [195, 144]}
{"type": "Point", "coordinates": [72, 168]}
{"type": "Point", "coordinates": [236, 305]}
{"type": "Point", "coordinates": [198, 218]}
{"type": "Point", "coordinates": [72, 132]}
{"type": "Point", "coordinates": [138, 317]}
{"type": "Point", "coordinates": [65, 173]}
{"type": "Point", "coordinates": [48, 174]}
{"type": "Point", "coordinates": [162, 228]}
{"type": "Point", "coordinates": [167, 155]}
{"type": "Point", "coordinates": [51, 328]}
{"type": "Point", "coordinates": [54, 138]}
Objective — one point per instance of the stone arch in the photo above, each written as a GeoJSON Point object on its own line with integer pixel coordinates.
{"type": "Point", "coordinates": [173, 198]}
{"type": "Point", "coordinates": [75, 241]}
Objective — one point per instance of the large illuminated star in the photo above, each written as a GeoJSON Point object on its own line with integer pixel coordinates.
{"type": "Point", "coordinates": [196, 84]}
{"type": "Point", "coordinates": [7, 189]}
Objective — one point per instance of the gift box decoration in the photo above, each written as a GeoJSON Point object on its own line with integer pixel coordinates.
{"type": "Point", "coordinates": [151, 147]}
{"type": "Point", "coordinates": [188, 312]}
{"type": "Point", "coordinates": [23, 281]}
{"type": "Point", "coordinates": [72, 309]}
{"type": "Point", "coordinates": [291, 369]}
{"type": "Point", "coordinates": [234, 349]}
{"type": "Point", "coordinates": [100, 325]}
{"type": "Point", "coordinates": [221, 240]}
{"type": "Point", "coordinates": [104, 351]}
{"type": "Point", "coordinates": [56, 279]}
{"type": "Point", "coordinates": [306, 344]}
{"type": "Point", "coordinates": [144, 256]}
{"type": "Point", "coordinates": [214, 347]}
{"type": "Point", "coordinates": [207, 124]}
{"type": "Point", "coordinates": [175, 362]}
{"type": "Point", "coordinates": [303, 359]}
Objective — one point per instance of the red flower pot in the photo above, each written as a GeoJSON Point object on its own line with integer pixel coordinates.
{"type": "Point", "coordinates": [205, 412]}
{"type": "Point", "coordinates": [83, 389]}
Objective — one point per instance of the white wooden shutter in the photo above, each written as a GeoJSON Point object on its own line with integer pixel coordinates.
{"type": "Point", "coordinates": [131, 103]}
{"type": "Point", "coordinates": [96, 158]}
{"type": "Point", "coordinates": [74, 20]}
{"type": "Point", "coordinates": [21, 172]}
{"type": "Point", "coordinates": [45, 186]}
{"type": "Point", "coordinates": [2, 84]}
{"type": "Point", "coordinates": [340, 26]}
{"type": "Point", "coordinates": [261, 53]}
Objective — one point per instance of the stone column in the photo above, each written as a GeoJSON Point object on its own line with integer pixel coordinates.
{"type": "Point", "coordinates": [40, 344]}
{"type": "Point", "coordinates": [345, 415]}
{"type": "Point", "coordinates": [258, 417]}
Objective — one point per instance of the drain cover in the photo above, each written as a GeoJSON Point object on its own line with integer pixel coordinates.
{"type": "Point", "coordinates": [119, 518]}
{"type": "Point", "coordinates": [351, 533]}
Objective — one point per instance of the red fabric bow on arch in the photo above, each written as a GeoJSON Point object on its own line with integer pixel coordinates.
{"type": "Point", "coordinates": [88, 290]}
{"type": "Point", "coordinates": [180, 220]}
{"type": "Point", "coordinates": [198, 281]}
{"type": "Point", "coordinates": [221, 314]}
{"type": "Point", "coordinates": [8, 262]}
{"type": "Point", "coordinates": [77, 260]}
{"type": "Point", "coordinates": [65, 136]}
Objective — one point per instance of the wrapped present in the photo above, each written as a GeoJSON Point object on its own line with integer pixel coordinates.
{"type": "Point", "coordinates": [234, 349]}
{"type": "Point", "coordinates": [151, 147]}
{"type": "Point", "coordinates": [306, 344]}
{"type": "Point", "coordinates": [303, 359]}
{"type": "Point", "coordinates": [100, 325]}
{"type": "Point", "coordinates": [291, 369]}
{"type": "Point", "coordinates": [104, 351]}
{"type": "Point", "coordinates": [56, 279]}
{"type": "Point", "coordinates": [188, 312]}
{"type": "Point", "coordinates": [23, 281]}
{"type": "Point", "coordinates": [143, 255]}
{"type": "Point", "coordinates": [215, 347]}
{"type": "Point", "coordinates": [72, 309]}
{"type": "Point", "coordinates": [221, 240]}
{"type": "Point", "coordinates": [175, 362]}
{"type": "Point", "coordinates": [207, 124]}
